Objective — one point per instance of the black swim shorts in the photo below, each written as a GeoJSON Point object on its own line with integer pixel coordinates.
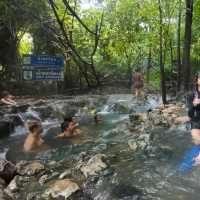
{"type": "Point", "coordinates": [195, 125]}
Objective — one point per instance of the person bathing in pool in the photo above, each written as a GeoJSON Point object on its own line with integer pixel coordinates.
{"type": "Point", "coordinates": [69, 128]}
{"type": "Point", "coordinates": [8, 99]}
{"type": "Point", "coordinates": [34, 139]}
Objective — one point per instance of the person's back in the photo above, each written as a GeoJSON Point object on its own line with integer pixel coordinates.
{"type": "Point", "coordinates": [34, 139]}
{"type": "Point", "coordinates": [137, 77]}
{"type": "Point", "coordinates": [137, 82]}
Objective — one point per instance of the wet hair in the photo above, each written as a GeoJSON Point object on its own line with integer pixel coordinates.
{"type": "Point", "coordinates": [5, 94]}
{"type": "Point", "coordinates": [137, 69]}
{"type": "Point", "coordinates": [68, 119]}
{"type": "Point", "coordinates": [33, 125]}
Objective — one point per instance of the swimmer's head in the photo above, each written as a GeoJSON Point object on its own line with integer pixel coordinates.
{"type": "Point", "coordinates": [35, 127]}
{"type": "Point", "coordinates": [68, 119]}
{"type": "Point", "coordinates": [5, 94]}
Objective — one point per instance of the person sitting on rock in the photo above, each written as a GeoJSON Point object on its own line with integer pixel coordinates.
{"type": "Point", "coordinates": [7, 99]}
{"type": "Point", "coordinates": [69, 128]}
{"type": "Point", "coordinates": [34, 138]}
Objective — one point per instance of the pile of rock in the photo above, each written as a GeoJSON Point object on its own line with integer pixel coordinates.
{"type": "Point", "coordinates": [167, 116]}
{"type": "Point", "coordinates": [33, 180]}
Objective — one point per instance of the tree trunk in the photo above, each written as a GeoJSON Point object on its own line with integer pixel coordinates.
{"type": "Point", "coordinates": [179, 48]}
{"type": "Point", "coordinates": [187, 44]}
{"type": "Point", "coordinates": [149, 65]}
{"type": "Point", "coordinates": [171, 55]}
{"type": "Point", "coordinates": [162, 71]}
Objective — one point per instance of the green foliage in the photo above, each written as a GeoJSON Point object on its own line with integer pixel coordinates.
{"type": "Point", "coordinates": [129, 31]}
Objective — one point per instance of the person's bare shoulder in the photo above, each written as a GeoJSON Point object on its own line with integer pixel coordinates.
{"type": "Point", "coordinates": [29, 143]}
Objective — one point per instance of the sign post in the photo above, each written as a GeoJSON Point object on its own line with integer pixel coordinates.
{"type": "Point", "coordinates": [43, 67]}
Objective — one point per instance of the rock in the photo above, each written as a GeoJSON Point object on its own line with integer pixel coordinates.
{"type": "Point", "coordinates": [132, 144]}
{"type": "Point", "coordinates": [138, 117]}
{"type": "Point", "coordinates": [182, 120]}
{"type": "Point", "coordinates": [6, 127]}
{"type": "Point", "coordinates": [13, 185]}
{"type": "Point", "coordinates": [120, 108]}
{"type": "Point", "coordinates": [44, 111]}
{"type": "Point", "coordinates": [139, 143]}
{"type": "Point", "coordinates": [61, 188]}
{"type": "Point", "coordinates": [157, 118]}
{"type": "Point", "coordinates": [43, 179]}
{"type": "Point", "coordinates": [13, 188]}
{"type": "Point", "coordinates": [7, 170]}
{"type": "Point", "coordinates": [30, 169]}
{"type": "Point", "coordinates": [34, 196]}
{"type": "Point", "coordinates": [65, 173]}
{"type": "Point", "coordinates": [3, 196]}
{"type": "Point", "coordinates": [94, 165]}
{"type": "Point", "coordinates": [171, 108]}
{"type": "Point", "coordinates": [16, 187]}
{"type": "Point", "coordinates": [16, 120]}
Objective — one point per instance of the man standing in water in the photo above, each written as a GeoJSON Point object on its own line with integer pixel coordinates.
{"type": "Point", "coordinates": [137, 82]}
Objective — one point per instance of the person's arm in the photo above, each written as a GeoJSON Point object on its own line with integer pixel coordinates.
{"type": "Point", "coordinates": [61, 135]}
{"type": "Point", "coordinates": [13, 102]}
{"type": "Point", "coordinates": [73, 125]}
{"type": "Point", "coordinates": [190, 105]}
{"type": "Point", "coordinates": [7, 102]}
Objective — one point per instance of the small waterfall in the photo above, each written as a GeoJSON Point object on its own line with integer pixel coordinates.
{"type": "Point", "coordinates": [31, 115]}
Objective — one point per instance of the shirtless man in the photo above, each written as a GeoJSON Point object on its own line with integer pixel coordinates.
{"type": "Point", "coordinates": [34, 139]}
{"type": "Point", "coordinates": [69, 128]}
{"type": "Point", "coordinates": [137, 82]}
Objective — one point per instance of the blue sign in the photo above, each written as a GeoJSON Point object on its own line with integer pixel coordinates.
{"type": "Point", "coordinates": [43, 67]}
{"type": "Point", "coordinates": [42, 61]}
{"type": "Point", "coordinates": [37, 75]}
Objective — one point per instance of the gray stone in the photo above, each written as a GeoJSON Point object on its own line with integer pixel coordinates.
{"type": "Point", "coordinates": [61, 188]}
{"type": "Point", "coordinates": [43, 179]}
{"type": "Point", "coordinates": [65, 173]}
{"type": "Point", "coordinates": [30, 169]}
{"type": "Point", "coordinates": [133, 144]}
{"type": "Point", "coordinates": [13, 185]}
{"type": "Point", "coordinates": [7, 170]}
{"type": "Point", "coordinates": [94, 165]}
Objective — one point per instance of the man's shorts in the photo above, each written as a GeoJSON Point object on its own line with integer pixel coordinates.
{"type": "Point", "coordinates": [195, 125]}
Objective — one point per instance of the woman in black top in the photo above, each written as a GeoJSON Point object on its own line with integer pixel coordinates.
{"type": "Point", "coordinates": [194, 111]}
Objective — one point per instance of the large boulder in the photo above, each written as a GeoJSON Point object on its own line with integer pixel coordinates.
{"type": "Point", "coordinates": [94, 165]}
{"type": "Point", "coordinates": [61, 188]}
{"type": "Point", "coordinates": [7, 170]}
{"type": "Point", "coordinates": [30, 168]}
{"type": "Point", "coordinates": [182, 120]}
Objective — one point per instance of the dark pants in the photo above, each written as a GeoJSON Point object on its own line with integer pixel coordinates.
{"type": "Point", "coordinates": [195, 124]}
